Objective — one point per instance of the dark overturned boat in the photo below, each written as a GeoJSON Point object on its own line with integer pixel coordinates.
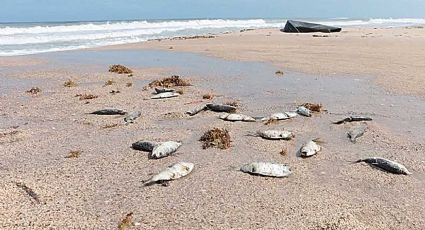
{"type": "Point", "coordinates": [306, 27]}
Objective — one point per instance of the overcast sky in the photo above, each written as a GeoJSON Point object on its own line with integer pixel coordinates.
{"type": "Point", "coordinates": [84, 10]}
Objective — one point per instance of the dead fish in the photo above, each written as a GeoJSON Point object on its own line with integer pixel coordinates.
{"type": "Point", "coordinates": [280, 116]}
{"type": "Point", "coordinates": [236, 117]}
{"type": "Point", "coordinates": [266, 169]}
{"type": "Point", "coordinates": [109, 112]}
{"type": "Point", "coordinates": [131, 117]}
{"type": "Point", "coordinates": [310, 148]}
{"type": "Point", "coordinates": [221, 108]}
{"type": "Point", "coordinates": [164, 149]}
{"type": "Point", "coordinates": [387, 165]}
{"type": "Point", "coordinates": [353, 118]}
{"type": "Point", "coordinates": [173, 172]}
{"type": "Point", "coordinates": [146, 146]}
{"type": "Point", "coordinates": [164, 90]}
{"type": "Point", "coordinates": [356, 132]}
{"type": "Point", "coordinates": [165, 95]}
{"type": "Point", "coordinates": [196, 110]}
{"type": "Point", "coordinates": [276, 134]}
{"type": "Point", "coordinates": [304, 111]}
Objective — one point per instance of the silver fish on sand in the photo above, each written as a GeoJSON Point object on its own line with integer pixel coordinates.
{"type": "Point", "coordinates": [164, 149]}
{"type": "Point", "coordinates": [310, 148]}
{"type": "Point", "coordinates": [356, 132]}
{"type": "Point", "coordinates": [387, 165]}
{"type": "Point", "coordinates": [131, 117]}
{"type": "Point", "coordinates": [276, 134]}
{"type": "Point", "coordinates": [165, 95]}
{"type": "Point", "coordinates": [353, 118]}
{"type": "Point", "coordinates": [236, 117]}
{"type": "Point", "coordinates": [109, 112]}
{"type": "Point", "coordinates": [196, 110]}
{"type": "Point", "coordinates": [266, 169]}
{"type": "Point", "coordinates": [173, 172]}
{"type": "Point", "coordinates": [280, 116]}
{"type": "Point", "coordinates": [146, 146]}
{"type": "Point", "coordinates": [164, 90]}
{"type": "Point", "coordinates": [304, 111]}
{"type": "Point", "coordinates": [221, 108]}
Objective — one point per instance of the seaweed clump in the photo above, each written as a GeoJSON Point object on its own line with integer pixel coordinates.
{"type": "Point", "coordinates": [120, 69]}
{"type": "Point", "coordinates": [313, 107]}
{"type": "Point", "coordinates": [168, 82]}
{"type": "Point", "coordinates": [217, 138]}
{"type": "Point", "coordinates": [126, 222]}
{"type": "Point", "coordinates": [74, 154]}
{"type": "Point", "coordinates": [70, 83]}
{"type": "Point", "coordinates": [86, 96]}
{"type": "Point", "coordinates": [34, 91]}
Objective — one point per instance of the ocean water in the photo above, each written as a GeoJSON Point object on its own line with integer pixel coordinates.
{"type": "Point", "coordinates": [31, 38]}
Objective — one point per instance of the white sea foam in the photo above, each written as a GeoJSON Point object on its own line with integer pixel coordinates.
{"type": "Point", "coordinates": [22, 39]}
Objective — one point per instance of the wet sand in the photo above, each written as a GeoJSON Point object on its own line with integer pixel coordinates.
{"type": "Point", "coordinates": [97, 190]}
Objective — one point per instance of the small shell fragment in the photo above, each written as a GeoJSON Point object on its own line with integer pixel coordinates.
{"type": "Point", "coordinates": [173, 172]}
{"type": "Point", "coordinates": [164, 149]}
{"type": "Point", "coordinates": [266, 169]}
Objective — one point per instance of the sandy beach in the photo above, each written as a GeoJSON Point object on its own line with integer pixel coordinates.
{"type": "Point", "coordinates": [370, 72]}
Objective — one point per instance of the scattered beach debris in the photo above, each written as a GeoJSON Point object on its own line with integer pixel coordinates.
{"type": "Point", "coordinates": [320, 36]}
{"type": "Point", "coordinates": [196, 110]}
{"type": "Point", "coordinates": [279, 72]}
{"type": "Point", "coordinates": [129, 84]}
{"type": "Point", "coordinates": [109, 82]}
{"type": "Point", "coordinates": [86, 96]}
{"type": "Point", "coordinates": [353, 118]}
{"type": "Point", "coordinates": [192, 37]}
{"type": "Point", "coordinates": [173, 172]}
{"type": "Point", "coordinates": [304, 111]}
{"type": "Point", "coordinates": [169, 82]}
{"type": "Point", "coordinates": [356, 132]}
{"type": "Point", "coordinates": [164, 149]}
{"type": "Point", "coordinates": [165, 95]}
{"type": "Point", "coordinates": [217, 138]}
{"type": "Point", "coordinates": [313, 107]}
{"type": "Point", "coordinates": [70, 83]}
{"type": "Point", "coordinates": [207, 96]}
{"type": "Point", "coordinates": [113, 92]}
{"type": "Point", "coordinates": [164, 90]}
{"type": "Point", "coordinates": [74, 154]}
{"type": "Point", "coordinates": [180, 91]}
{"type": "Point", "coordinates": [120, 69]}
{"type": "Point", "coordinates": [109, 112]}
{"type": "Point", "coordinates": [108, 126]}
{"type": "Point", "coordinates": [387, 165]}
{"type": "Point", "coordinates": [126, 222]}
{"type": "Point", "coordinates": [34, 90]}
{"type": "Point", "coordinates": [245, 30]}
{"type": "Point", "coordinates": [266, 169]}
{"type": "Point", "coordinates": [29, 191]}
{"type": "Point", "coordinates": [132, 116]}
{"type": "Point", "coordinates": [236, 117]}
{"type": "Point", "coordinates": [221, 108]}
{"type": "Point", "coordinates": [284, 152]}
{"type": "Point", "coordinates": [271, 121]}
{"type": "Point", "coordinates": [310, 148]}
{"type": "Point", "coordinates": [146, 146]}
{"type": "Point", "coordinates": [275, 134]}
{"type": "Point", "coordinates": [173, 115]}
{"type": "Point", "coordinates": [10, 136]}
{"type": "Point", "coordinates": [280, 116]}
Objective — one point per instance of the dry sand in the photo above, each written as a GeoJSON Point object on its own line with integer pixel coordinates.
{"type": "Point", "coordinates": [327, 191]}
